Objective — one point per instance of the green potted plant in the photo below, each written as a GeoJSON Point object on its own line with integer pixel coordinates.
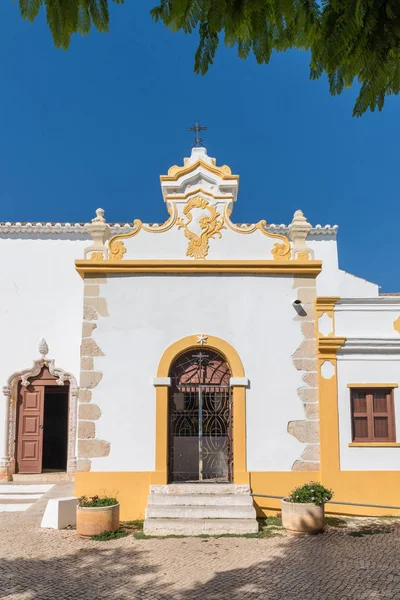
{"type": "Point", "coordinates": [303, 511]}
{"type": "Point", "coordinates": [96, 514]}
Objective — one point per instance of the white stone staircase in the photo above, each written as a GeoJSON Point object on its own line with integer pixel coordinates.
{"type": "Point", "coordinates": [200, 508]}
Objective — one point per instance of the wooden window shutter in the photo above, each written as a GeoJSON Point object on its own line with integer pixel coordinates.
{"type": "Point", "coordinates": [373, 415]}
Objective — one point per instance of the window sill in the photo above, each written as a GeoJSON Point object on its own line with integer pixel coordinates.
{"type": "Point", "coordinates": [374, 445]}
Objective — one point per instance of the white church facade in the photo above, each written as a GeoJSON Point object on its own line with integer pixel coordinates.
{"type": "Point", "coordinates": [197, 350]}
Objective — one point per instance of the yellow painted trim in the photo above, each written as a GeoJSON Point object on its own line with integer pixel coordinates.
{"type": "Point", "coordinates": [396, 324]}
{"type": "Point", "coordinates": [131, 488]}
{"type": "Point", "coordinates": [160, 476]}
{"type": "Point", "coordinates": [256, 267]}
{"type": "Point", "coordinates": [326, 303]}
{"type": "Point", "coordinates": [328, 346]}
{"type": "Point", "coordinates": [369, 487]}
{"type": "Point", "coordinates": [280, 251]}
{"type": "Point", "coordinates": [175, 172]}
{"type": "Point", "coordinates": [374, 445]}
{"type": "Point", "coordinates": [372, 385]}
{"type": "Point", "coordinates": [116, 246]}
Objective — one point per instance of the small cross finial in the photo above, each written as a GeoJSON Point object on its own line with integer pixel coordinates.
{"type": "Point", "coordinates": [198, 141]}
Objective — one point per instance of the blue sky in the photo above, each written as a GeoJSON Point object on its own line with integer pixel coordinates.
{"type": "Point", "coordinates": [97, 125]}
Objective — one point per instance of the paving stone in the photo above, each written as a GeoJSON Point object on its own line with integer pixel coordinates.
{"type": "Point", "coordinates": [39, 564]}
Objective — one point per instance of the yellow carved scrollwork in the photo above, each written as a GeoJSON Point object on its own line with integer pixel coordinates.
{"type": "Point", "coordinates": [96, 256]}
{"type": "Point", "coordinates": [302, 256]}
{"type": "Point", "coordinates": [116, 246]}
{"type": "Point", "coordinates": [280, 251]}
{"type": "Point", "coordinates": [210, 227]}
{"type": "Point", "coordinates": [116, 249]}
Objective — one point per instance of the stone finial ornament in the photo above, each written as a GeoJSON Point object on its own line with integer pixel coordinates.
{"type": "Point", "coordinates": [100, 232]}
{"type": "Point", "coordinates": [43, 348]}
{"type": "Point", "coordinates": [299, 229]}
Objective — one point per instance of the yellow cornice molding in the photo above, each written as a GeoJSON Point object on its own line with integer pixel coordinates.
{"type": "Point", "coordinates": [175, 172]}
{"type": "Point", "coordinates": [372, 385]}
{"type": "Point", "coordinates": [256, 267]}
{"type": "Point", "coordinates": [324, 303]}
{"type": "Point", "coordinates": [328, 346]}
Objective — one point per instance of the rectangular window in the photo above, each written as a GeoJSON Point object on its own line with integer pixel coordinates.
{"type": "Point", "coordinates": [372, 412]}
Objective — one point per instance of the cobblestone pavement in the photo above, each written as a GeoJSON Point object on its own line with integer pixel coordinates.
{"type": "Point", "coordinates": [40, 564]}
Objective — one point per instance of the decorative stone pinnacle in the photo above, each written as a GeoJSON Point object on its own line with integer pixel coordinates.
{"type": "Point", "coordinates": [99, 218]}
{"type": "Point", "coordinates": [43, 348]}
{"type": "Point", "coordinates": [299, 229]}
{"type": "Point", "coordinates": [99, 232]}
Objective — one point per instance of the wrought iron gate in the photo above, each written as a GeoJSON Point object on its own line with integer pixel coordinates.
{"type": "Point", "coordinates": [200, 418]}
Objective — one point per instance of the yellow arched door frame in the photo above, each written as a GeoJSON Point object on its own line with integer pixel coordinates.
{"type": "Point", "coordinates": [240, 475]}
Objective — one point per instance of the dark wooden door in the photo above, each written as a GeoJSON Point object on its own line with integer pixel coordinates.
{"type": "Point", "coordinates": [30, 429]}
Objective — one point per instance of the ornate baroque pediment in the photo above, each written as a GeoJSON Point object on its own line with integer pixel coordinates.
{"type": "Point", "coordinates": [199, 197]}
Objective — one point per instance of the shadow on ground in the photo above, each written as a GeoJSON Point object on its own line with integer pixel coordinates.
{"type": "Point", "coordinates": [333, 566]}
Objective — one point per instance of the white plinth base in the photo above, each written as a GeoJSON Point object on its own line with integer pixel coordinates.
{"type": "Point", "coordinates": [59, 513]}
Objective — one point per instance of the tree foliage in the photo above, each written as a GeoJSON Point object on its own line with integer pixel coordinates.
{"type": "Point", "coordinates": [66, 17]}
{"type": "Point", "coordinates": [348, 39]}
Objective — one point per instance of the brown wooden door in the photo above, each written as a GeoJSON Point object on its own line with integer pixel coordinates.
{"type": "Point", "coordinates": [30, 429]}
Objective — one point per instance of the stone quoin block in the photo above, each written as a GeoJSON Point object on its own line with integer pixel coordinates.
{"type": "Point", "coordinates": [311, 452]}
{"type": "Point", "coordinates": [304, 431]}
{"type": "Point", "coordinates": [89, 313]}
{"type": "Point", "coordinates": [305, 364]}
{"type": "Point", "coordinates": [83, 465]}
{"type": "Point", "coordinates": [311, 410]}
{"type": "Point", "coordinates": [85, 396]}
{"type": "Point", "coordinates": [99, 304]}
{"type": "Point", "coordinates": [93, 448]}
{"type": "Point", "coordinates": [87, 363]}
{"type": "Point", "coordinates": [91, 290]}
{"type": "Point", "coordinates": [88, 328]}
{"type": "Point", "coordinates": [301, 465]}
{"type": "Point", "coordinates": [89, 347]}
{"type": "Point", "coordinates": [311, 379]}
{"type": "Point", "coordinates": [308, 394]}
{"type": "Point", "coordinates": [89, 412]}
{"type": "Point", "coordinates": [308, 329]}
{"type": "Point", "coordinates": [304, 282]}
{"type": "Point", "coordinates": [307, 349]}
{"type": "Point", "coordinates": [86, 430]}
{"type": "Point", "coordinates": [90, 379]}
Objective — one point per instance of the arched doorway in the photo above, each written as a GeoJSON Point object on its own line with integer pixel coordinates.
{"type": "Point", "coordinates": [42, 425]}
{"type": "Point", "coordinates": [200, 418]}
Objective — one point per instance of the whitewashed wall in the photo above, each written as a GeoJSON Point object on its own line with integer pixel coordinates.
{"type": "Point", "coordinates": [367, 317]}
{"type": "Point", "coordinates": [149, 313]}
{"type": "Point", "coordinates": [371, 354]}
{"type": "Point", "coordinates": [40, 296]}
{"type": "Point", "coordinates": [371, 369]}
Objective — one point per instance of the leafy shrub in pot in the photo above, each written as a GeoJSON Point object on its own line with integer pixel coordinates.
{"type": "Point", "coordinates": [303, 510]}
{"type": "Point", "coordinates": [96, 514]}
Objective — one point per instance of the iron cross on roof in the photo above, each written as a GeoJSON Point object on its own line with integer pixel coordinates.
{"type": "Point", "coordinates": [198, 141]}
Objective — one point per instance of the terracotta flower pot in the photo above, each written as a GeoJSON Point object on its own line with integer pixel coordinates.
{"type": "Point", "coordinates": [302, 518]}
{"type": "Point", "coordinates": [95, 520]}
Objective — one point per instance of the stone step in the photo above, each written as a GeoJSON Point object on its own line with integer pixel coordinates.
{"type": "Point", "coordinates": [200, 512]}
{"type": "Point", "coordinates": [192, 527]}
{"type": "Point", "coordinates": [221, 489]}
{"type": "Point", "coordinates": [200, 500]}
